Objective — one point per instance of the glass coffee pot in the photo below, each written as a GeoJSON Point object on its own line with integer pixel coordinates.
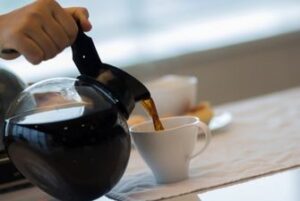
{"type": "Point", "coordinates": [70, 136]}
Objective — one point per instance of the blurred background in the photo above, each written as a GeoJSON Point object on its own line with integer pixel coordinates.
{"type": "Point", "coordinates": [237, 49]}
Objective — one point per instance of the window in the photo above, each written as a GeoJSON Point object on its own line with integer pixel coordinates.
{"type": "Point", "coordinates": [132, 31]}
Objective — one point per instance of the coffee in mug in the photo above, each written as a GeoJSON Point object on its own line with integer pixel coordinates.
{"type": "Point", "coordinates": [168, 152]}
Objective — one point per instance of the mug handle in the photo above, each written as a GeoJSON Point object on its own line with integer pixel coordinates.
{"type": "Point", "coordinates": [202, 128]}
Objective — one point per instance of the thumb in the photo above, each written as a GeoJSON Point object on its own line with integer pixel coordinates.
{"type": "Point", "coordinates": [81, 16]}
{"type": "Point", "coordinates": [9, 54]}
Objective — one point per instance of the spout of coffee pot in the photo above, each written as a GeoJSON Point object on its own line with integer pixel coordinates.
{"type": "Point", "coordinates": [123, 87]}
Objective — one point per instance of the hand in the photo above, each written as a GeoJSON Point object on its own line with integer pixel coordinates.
{"type": "Point", "coordinates": [41, 30]}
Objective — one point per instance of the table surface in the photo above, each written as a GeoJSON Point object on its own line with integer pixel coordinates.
{"type": "Point", "coordinates": [136, 164]}
{"type": "Point", "coordinates": [276, 187]}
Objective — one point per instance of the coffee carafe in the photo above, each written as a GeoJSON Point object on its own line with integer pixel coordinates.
{"type": "Point", "coordinates": [69, 136]}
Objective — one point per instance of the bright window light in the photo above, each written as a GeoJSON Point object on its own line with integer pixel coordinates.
{"type": "Point", "coordinates": [139, 31]}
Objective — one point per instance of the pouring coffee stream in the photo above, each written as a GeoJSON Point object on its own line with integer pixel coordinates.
{"type": "Point", "coordinates": [69, 136]}
{"type": "Point", "coordinates": [149, 105]}
{"type": "Point", "coordinates": [85, 57]}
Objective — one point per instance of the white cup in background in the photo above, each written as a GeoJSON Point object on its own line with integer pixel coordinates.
{"type": "Point", "coordinates": [168, 152]}
{"type": "Point", "coordinates": [173, 94]}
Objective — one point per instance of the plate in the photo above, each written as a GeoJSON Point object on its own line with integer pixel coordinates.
{"type": "Point", "coordinates": [220, 121]}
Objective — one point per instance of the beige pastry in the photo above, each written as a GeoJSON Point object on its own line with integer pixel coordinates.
{"type": "Point", "coordinates": [203, 111]}
{"type": "Point", "coordinates": [135, 119]}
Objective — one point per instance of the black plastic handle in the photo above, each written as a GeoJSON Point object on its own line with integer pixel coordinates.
{"type": "Point", "coordinates": [85, 55]}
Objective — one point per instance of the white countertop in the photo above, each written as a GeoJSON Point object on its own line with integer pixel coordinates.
{"type": "Point", "coordinates": [265, 131]}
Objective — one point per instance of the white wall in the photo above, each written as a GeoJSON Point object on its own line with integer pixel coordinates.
{"type": "Point", "coordinates": [235, 72]}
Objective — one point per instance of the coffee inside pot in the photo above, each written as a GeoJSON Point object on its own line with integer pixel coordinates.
{"type": "Point", "coordinates": [69, 136]}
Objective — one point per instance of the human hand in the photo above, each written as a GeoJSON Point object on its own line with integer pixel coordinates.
{"type": "Point", "coordinates": [41, 30]}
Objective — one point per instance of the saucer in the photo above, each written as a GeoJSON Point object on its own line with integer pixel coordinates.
{"type": "Point", "coordinates": [220, 121]}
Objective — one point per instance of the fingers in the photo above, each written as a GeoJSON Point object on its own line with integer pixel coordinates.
{"type": "Point", "coordinates": [46, 43]}
{"type": "Point", "coordinates": [58, 35]}
{"type": "Point", "coordinates": [21, 44]}
{"type": "Point", "coordinates": [28, 48]}
{"type": "Point", "coordinates": [32, 52]}
{"type": "Point", "coordinates": [81, 16]}
{"type": "Point", "coordinates": [65, 22]}
{"type": "Point", "coordinates": [41, 30]}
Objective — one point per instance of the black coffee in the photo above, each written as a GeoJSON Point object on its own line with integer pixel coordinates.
{"type": "Point", "coordinates": [150, 107]}
{"type": "Point", "coordinates": [71, 153]}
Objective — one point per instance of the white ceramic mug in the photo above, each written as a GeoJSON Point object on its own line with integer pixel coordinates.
{"type": "Point", "coordinates": [168, 152]}
{"type": "Point", "coordinates": [183, 90]}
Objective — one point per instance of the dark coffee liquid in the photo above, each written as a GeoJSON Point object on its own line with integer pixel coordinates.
{"type": "Point", "coordinates": [75, 153]}
{"type": "Point", "coordinates": [150, 107]}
